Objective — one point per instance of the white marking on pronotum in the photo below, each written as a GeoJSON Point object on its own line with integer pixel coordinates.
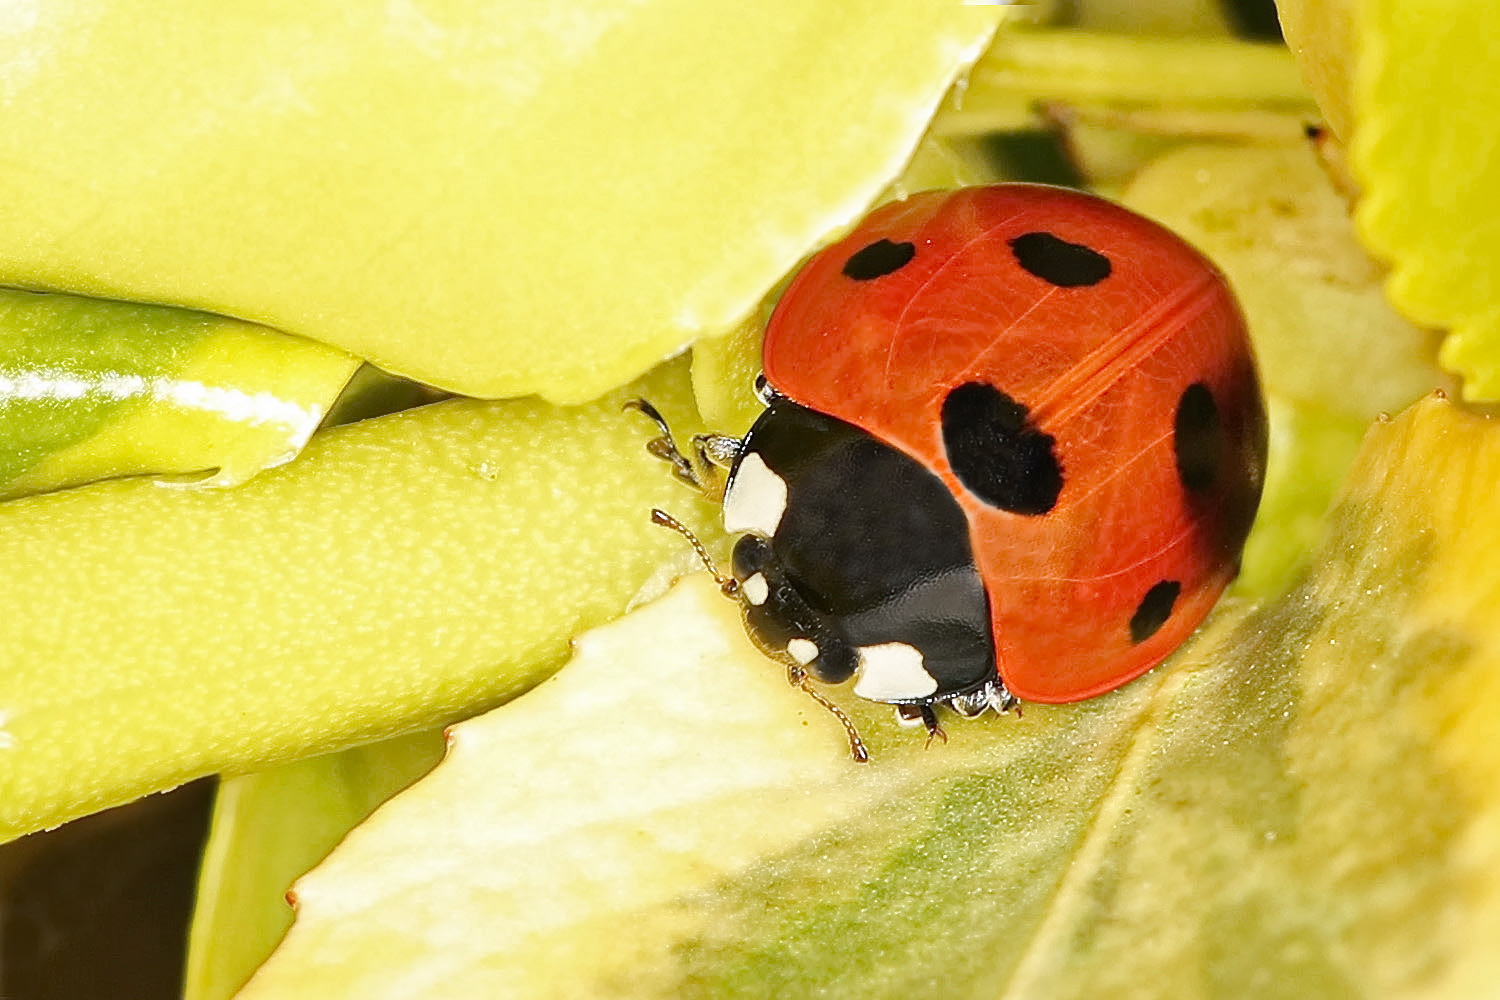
{"type": "Point", "coordinates": [891, 671]}
{"type": "Point", "coordinates": [7, 739]}
{"type": "Point", "coordinates": [756, 499]}
{"type": "Point", "coordinates": [804, 651]}
{"type": "Point", "coordinates": [755, 589]}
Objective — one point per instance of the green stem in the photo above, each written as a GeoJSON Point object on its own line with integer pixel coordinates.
{"type": "Point", "coordinates": [1078, 67]}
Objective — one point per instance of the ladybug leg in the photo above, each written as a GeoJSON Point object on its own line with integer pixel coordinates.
{"type": "Point", "coordinates": [712, 454]}
{"type": "Point", "coordinates": [1001, 700]}
{"type": "Point", "coordinates": [924, 715]}
{"type": "Point", "coordinates": [717, 451]}
{"type": "Point", "coordinates": [665, 447]}
{"type": "Point", "coordinates": [972, 704]}
{"type": "Point", "coordinates": [991, 697]}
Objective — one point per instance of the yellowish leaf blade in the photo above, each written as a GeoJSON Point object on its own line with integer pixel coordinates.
{"type": "Point", "coordinates": [403, 571]}
{"type": "Point", "coordinates": [1427, 156]}
{"type": "Point", "coordinates": [271, 827]}
{"type": "Point", "coordinates": [542, 197]}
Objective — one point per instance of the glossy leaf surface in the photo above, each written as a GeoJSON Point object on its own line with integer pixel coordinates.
{"type": "Point", "coordinates": [91, 389]}
{"type": "Point", "coordinates": [1301, 803]}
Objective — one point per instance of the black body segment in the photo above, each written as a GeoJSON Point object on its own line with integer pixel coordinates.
{"type": "Point", "coordinates": [870, 549]}
{"type": "Point", "coordinates": [786, 615]}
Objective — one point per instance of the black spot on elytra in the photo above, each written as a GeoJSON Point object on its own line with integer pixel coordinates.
{"type": "Point", "coordinates": [1058, 262]}
{"type": "Point", "coordinates": [878, 259]}
{"type": "Point", "coordinates": [997, 453]}
{"type": "Point", "coordinates": [1197, 438]}
{"type": "Point", "coordinates": [1154, 610]}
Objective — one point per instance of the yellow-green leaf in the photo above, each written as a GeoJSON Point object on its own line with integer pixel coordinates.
{"type": "Point", "coordinates": [1081, 66]}
{"type": "Point", "coordinates": [1426, 151]}
{"type": "Point", "coordinates": [1270, 218]}
{"type": "Point", "coordinates": [1301, 803]}
{"type": "Point", "coordinates": [268, 829]}
{"type": "Point", "coordinates": [1321, 35]}
{"type": "Point", "coordinates": [402, 571]}
{"type": "Point", "coordinates": [499, 199]}
{"type": "Point", "coordinates": [91, 389]}
{"type": "Point", "coordinates": [1310, 451]}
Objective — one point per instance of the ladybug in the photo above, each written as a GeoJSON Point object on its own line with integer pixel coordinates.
{"type": "Point", "coordinates": [1013, 442]}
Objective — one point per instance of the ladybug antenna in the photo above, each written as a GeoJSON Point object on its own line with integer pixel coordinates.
{"type": "Point", "coordinates": [728, 585]}
{"type": "Point", "coordinates": [857, 748]}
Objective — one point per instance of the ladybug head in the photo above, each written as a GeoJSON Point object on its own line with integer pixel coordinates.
{"type": "Point", "coordinates": [780, 620]}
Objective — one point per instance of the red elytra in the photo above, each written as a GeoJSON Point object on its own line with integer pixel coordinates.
{"type": "Point", "coordinates": [1101, 364]}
